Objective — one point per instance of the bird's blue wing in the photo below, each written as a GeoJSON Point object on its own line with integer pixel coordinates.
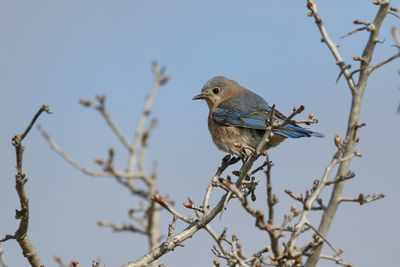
{"type": "Point", "coordinates": [253, 113]}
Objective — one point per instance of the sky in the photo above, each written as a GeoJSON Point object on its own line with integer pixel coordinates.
{"type": "Point", "coordinates": [58, 52]}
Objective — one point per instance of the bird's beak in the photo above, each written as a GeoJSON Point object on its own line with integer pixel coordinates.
{"type": "Point", "coordinates": [197, 97]}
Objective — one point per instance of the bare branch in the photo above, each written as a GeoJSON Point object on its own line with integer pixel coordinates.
{"type": "Point", "coordinates": [171, 229]}
{"type": "Point", "coordinates": [159, 80]}
{"type": "Point", "coordinates": [312, 198]}
{"type": "Point", "coordinates": [337, 260]}
{"type": "Point", "coordinates": [122, 228]}
{"type": "Point", "coordinates": [164, 203]}
{"type": "Point", "coordinates": [71, 161]}
{"type": "Point", "coordinates": [136, 170]}
{"type": "Point", "coordinates": [226, 162]}
{"type": "Point", "coordinates": [380, 64]}
{"type": "Point", "coordinates": [21, 234]}
{"type": "Point", "coordinates": [43, 108]}
{"type": "Point", "coordinates": [354, 31]}
{"type": "Point", "coordinates": [322, 237]}
{"type": "Point", "coordinates": [102, 109]}
{"type": "Point", "coordinates": [363, 199]}
{"type": "Point", "coordinates": [332, 47]}
{"type": "Point", "coordinates": [394, 14]}
{"type": "Point", "coordinates": [157, 252]}
{"type": "Point", "coordinates": [351, 136]}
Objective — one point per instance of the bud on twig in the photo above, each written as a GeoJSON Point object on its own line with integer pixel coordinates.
{"type": "Point", "coordinates": [310, 4]}
{"type": "Point", "coordinates": [159, 199]}
{"type": "Point", "coordinates": [216, 262]}
{"type": "Point", "coordinates": [287, 191]}
{"type": "Point", "coordinates": [338, 141]}
{"type": "Point", "coordinates": [260, 214]}
{"type": "Point", "coordinates": [187, 205]}
{"type": "Point", "coordinates": [84, 102]}
{"type": "Point", "coordinates": [98, 161]}
{"type": "Point", "coordinates": [340, 251]}
{"type": "Point", "coordinates": [101, 98]}
{"type": "Point", "coordinates": [57, 258]}
{"type": "Point", "coordinates": [164, 79]}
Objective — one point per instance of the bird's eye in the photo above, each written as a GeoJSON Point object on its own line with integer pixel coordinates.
{"type": "Point", "coordinates": [216, 90]}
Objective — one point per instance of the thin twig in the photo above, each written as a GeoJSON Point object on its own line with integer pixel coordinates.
{"type": "Point", "coordinates": [171, 229]}
{"type": "Point", "coordinates": [332, 47]}
{"type": "Point", "coordinates": [363, 199]}
{"type": "Point", "coordinates": [226, 162]}
{"type": "Point", "coordinates": [102, 109]}
{"type": "Point", "coordinates": [337, 260]}
{"type": "Point", "coordinates": [354, 31]}
{"type": "Point", "coordinates": [380, 64]}
{"type": "Point", "coordinates": [122, 228]}
{"type": "Point", "coordinates": [71, 161]}
{"type": "Point", "coordinates": [321, 236]}
{"type": "Point", "coordinates": [159, 80]}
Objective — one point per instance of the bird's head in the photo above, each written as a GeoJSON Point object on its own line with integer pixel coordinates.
{"type": "Point", "coordinates": [217, 90]}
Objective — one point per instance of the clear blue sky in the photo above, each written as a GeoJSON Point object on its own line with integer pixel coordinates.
{"type": "Point", "coordinates": [57, 52]}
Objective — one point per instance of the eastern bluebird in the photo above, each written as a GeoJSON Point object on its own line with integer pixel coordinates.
{"type": "Point", "coordinates": [237, 115]}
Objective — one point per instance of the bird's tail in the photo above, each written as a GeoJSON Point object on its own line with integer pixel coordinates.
{"type": "Point", "coordinates": [294, 131]}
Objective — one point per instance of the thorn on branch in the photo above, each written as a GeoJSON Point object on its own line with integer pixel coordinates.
{"type": "Point", "coordinates": [346, 67]}
{"type": "Point", "coordinates": [368, 28]}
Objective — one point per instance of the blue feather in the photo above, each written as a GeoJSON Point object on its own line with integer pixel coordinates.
{"type": "Point", "coordinates": [253, 114]}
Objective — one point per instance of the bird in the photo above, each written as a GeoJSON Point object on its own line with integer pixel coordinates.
{"type": "Point", "coordinates": [238, 118]}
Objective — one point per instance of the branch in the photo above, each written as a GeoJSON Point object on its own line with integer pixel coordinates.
{"type": "Point", "coordinates": [363, 199]}
{"type": "Point", "coordinates": [271, 201]}
{"type": "Point", "coordinates": [394, 14]}
{"type": "Point", "coordinates": [332, 47]}
{"type": "Point", "coordinates": [28, 249]}
{"type": "Point", "coordinates": [337, 260]}
{"type": "Point", "coordinates": [157, 252]}
{"type": "Point", "coordinates": [226, 162]}
{"type": "Point", "coordinates": [171, 229]}
{"type": "Point", "coordinates": [159, 80]}
{"type": "Point", "coordinates": [102, 109]}
{"type": "Point", "coordinates": [380, 64]}
{"type": "Point", "coordinates": [71, 161]}
{"type": "Point", "coordinates": [136, 169]}
{"type": "Point", "coordinates": [164, 203]}
{"type": "Point", "coordinates": [312, 198]}
{"type": "Point", "coordinates": [352, 125]}
{"type": "Point", "coordinates": [122, 228]}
